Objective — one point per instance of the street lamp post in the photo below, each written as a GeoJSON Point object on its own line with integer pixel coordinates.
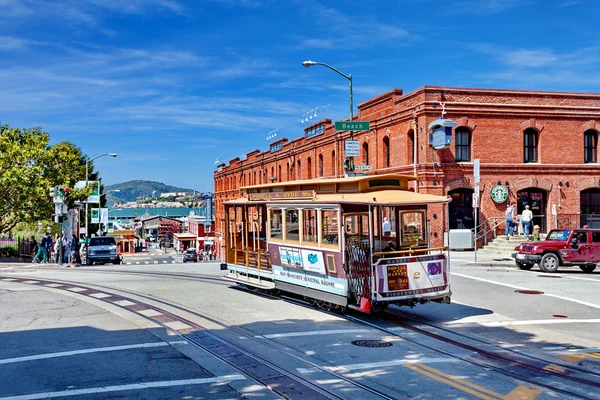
{"type": "Point", "coordinates": [310, 63]}
{"type": "Point", "coordinates": [87, 234]}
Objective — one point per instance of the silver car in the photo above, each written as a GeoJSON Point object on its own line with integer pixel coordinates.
{"type": "Point", "coordinates": [102, 249]}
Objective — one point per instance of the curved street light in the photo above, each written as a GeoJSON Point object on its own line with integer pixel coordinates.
{"type": "Point", "coordinates": [87, 234]}
{"type": "Point", "coordinates": [310, 63]}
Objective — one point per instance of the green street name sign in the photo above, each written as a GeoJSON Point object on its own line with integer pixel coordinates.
{"type": "Point", "coordinates": [352, 126]}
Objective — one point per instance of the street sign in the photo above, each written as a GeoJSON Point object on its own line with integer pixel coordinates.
{"type": "Point", "coordinates": [475, 200]}
{"type": "Point", "coordinates": [363, 167]}
{"type": "Point", "coordinates": [476, 177]}
{"type": "Point", "coordinates": [352, 126]}
{"type": "Point", "coordinates": [95, 196]}
{"type": "Point", "coordinates": [351, 148]}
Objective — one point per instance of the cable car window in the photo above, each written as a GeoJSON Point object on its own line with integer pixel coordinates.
{"type": "Point", "coordinates": [329, 228]}
{"type": "Point", "coordinates": [413, 227]}
{"type": "Point", "coordinates": [292, 228]}
{"type": "Point", "coordinates": [309, 223]}
{"type": "Point", "coordinates": [276, 224]}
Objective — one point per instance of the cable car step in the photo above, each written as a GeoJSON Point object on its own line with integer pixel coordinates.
{"type": "Point", "coordinates": [253, 282]}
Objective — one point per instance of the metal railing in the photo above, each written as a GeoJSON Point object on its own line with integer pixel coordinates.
{"type": "Point", "coordinates": [17, 248]}
{"type": "Point", "coordinates": [488, 228]}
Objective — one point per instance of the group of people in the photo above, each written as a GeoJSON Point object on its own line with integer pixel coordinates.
{"type": "Point", "coordinates": [521, 222]}
{"type": "Point", "coordinates": [47, 249]}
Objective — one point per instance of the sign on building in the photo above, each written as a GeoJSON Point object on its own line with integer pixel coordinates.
{"type": "Point", "coordinates": [95, 196]}
{"type": "Point", "coordinates": [351, 148]}
{"type": "Point", "coordinates": [352, 126]}
{"type": "Point", "coordinates": [314, 132]}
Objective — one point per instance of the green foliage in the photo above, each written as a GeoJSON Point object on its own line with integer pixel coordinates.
{"type": "Point", "coordinates": [9, 252]}
{"type": "Point", "coordinates": [29, 167]}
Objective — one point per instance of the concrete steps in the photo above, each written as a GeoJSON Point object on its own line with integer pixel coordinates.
{"type": "Point", "coordinates": [503, 247]}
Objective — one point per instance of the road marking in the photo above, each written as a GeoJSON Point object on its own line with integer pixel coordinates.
{"type": "Point", "coordinates": [147, 262]}
{"type": "Point", "coordinates": [391, 363]}
{"type": "Point", "coordinates": [312, 333]}
{"type": "Point", "coordinates": [54, 285]}
{"type": "Point", "coordinates": [31, 282]}
{"type": "Point", "coordinates": [493, 324]}
{"type": "Point", "coordinates": [137, 262]}
{"type": "Point", "coordinates": [554, 368]}
{"type": "Point", "coordinates": [155, 262]}
{"type": "Point", "coordinates": [128, 263]}
{"type": "Point", "coordinates": [123, 303]}
{"type": "Point", "coordinates": [87, 351]}
{"type": "Point", "coordinates": [457, 383]}
{"type": "Point", "coordinates": [77, 289]}
{"type": "Point", "coordinates": [585, 303]}
{"type": "Point", "coordinates": [164, 262]}
{"type": "Point", "coordinates": [177, 325]}
{"type": "Point", "coordinates": [134, 386]}
{"type": "Point", "coordinates": [9, 279]}
{"type": "Point", "coordinates": [100, 295]}
{"type": "Point", "coordinates": [150, 313]}
{"type": "Point", "coordinates": [519, 393]}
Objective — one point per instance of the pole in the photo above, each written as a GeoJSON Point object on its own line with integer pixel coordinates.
{"type": "Point", "coordinates": [87, 233]}
{"type": "Point", "coordinates": [351, 119]}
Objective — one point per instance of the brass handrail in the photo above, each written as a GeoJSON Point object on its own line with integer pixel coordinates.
{"type": "Point", "coordinates": [410, 251]}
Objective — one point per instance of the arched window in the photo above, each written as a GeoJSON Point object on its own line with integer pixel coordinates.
{"type": "Point", "coordinates": [366, 153]}
{"type": "Point", "coordinates": [411, 146]}
{"type": "Point", "coordinates": [463, 144]}
{"type": "Point", "coordinates": [289, 169]}
{"type": "Point", "coordinates": [386, 152]}
{"type": "Point", "coordinates": [530, 144]}
{"type": "Point", "coordinates": [299, 171]}
{"type": "Point", "coordinates": [321, 172]}
{"type": "Point", "coordinates": [254, 178]}
{"type": "Point", "coordinates": [272, 173]}
{"type": "Point", "coordinates": [333, 172]}
{"type": "Point", "coordinates": [279, 173]}
{"type": "Point", "coordinates": [590, 146]}
{"type": "Point", "coordinates": [461, 209]}
{"type": "Point", "coordinates": [309, 167]}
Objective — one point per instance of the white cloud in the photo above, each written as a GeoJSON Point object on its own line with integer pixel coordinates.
{"type": "Point", "coordinates": [530, 58]}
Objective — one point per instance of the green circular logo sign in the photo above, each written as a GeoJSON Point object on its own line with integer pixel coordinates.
{"type": "Point", "coordinates": [499, 194]}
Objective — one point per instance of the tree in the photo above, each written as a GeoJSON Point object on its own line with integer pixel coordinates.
{"type": "Point", "coordinates": [29, 167]}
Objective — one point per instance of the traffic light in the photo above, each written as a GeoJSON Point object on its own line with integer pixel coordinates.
{"type": "Point", "coordinates": [347, 166]}
{"type": "Point", "coordinates": [53, 192]}
{"type": "Point", "coordinates": [63, 192]}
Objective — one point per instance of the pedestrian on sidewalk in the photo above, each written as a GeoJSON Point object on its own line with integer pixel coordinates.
{"type": "Point", "coordinates": [75, 259]}
{"type": "Point", "coordinates": [42, 253]}
{"type": "Point", "coordinates": [510, 217]}
{"type": "Point", "coordinates": [526, 217]}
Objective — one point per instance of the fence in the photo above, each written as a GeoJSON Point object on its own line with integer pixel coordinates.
{"type": "Point", "coordinates": [21, 248]}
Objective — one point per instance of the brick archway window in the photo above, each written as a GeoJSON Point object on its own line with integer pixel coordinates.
{"type": "Point", "coordinates": [366, 153]}
{"type": "Point", "coordinates": [309, 167]}
{"type": "Point", "coordinates": [386, 152]}
{"type": "Point", "coordinates": [289, 168]}
{"type": "Point", "coordinates": [411, 145]}
{"type": "Point", "coordinates": [530, 145]}
{"type": "Point", "coordinates": [333, 163]}
{"type": "Point", "coordinates": [321, 172]}
{"type": "Point", "coordinates": [463, 144]}
{"type": "Point", "coordinates": [279, 173]}
{"type": "Point", "coordinates": [590, 146]}
{"type": "Point", "coordinates": [299, 171]}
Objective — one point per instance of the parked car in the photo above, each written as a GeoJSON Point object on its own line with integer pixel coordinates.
{"type": "Point", "coordinates": [190, 255]}
{"type": "Point", "coordinates": [102, 249]}
{"type": "Point", "coordinates": [561, 248]}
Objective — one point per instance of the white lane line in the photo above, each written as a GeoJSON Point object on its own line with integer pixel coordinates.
{"type": "Point", "coordinates": [391, 363]}
{"type": "Point", "coordinates": [128, 263]}
{"type": "Point", "coordinates": [147, 262]}
{"type": "Point", "coordinates": [77, 289]}
{"type": "Point", "coordinates": [137, 262]}
{"type": "Point", "coordinates": [123, 303]}
{"type": "Point", "coordinates": [571, 351]}
{"type": "Point", "coordinates": [493, 324]}
{"type": "Point", "coordinates": [133, 386]}
{"type": "Point", "coordinates": [150, 313]}
{"type": "Point", "coordinates": [177, 325]}
{"type": "Point", "coordinates": [312, 333]}
{"type": "Point", "coordinates": [155, 262]}
{"type": "Point", "coordinates": [54, 285]}
{"type": "Point", "coordinates": [87, 351]}
{"type": "Point", "coordinates": [164, 262]}
{"type": "Point", "coordinates": [9, 279]}
{"type": "Point", "coordinates": [585, 303]}
{"type": "Point", "coordinates": [100, 295]}
{"type": "Point", "coordinates": [30, 282]}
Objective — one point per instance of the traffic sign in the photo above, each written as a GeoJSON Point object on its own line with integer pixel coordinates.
{"type": "Point", "coordinates": [476, 176]}
{"type": "Point", "coordinates": [352, 126]}
{"type": "Point", "coordinates": [351, 148]}
{"type": "Point", "coordinates": [363, 167]}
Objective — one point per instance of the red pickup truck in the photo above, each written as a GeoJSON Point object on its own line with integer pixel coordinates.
{"type": "Point", "coordinates": [561, 248]}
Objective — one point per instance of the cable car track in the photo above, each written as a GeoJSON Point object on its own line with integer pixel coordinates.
{"type": "Point", "coordinates": [199, 336]}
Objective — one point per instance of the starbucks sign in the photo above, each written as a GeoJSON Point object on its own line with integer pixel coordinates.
{"type": "Point", "coordinates": [499, 194]}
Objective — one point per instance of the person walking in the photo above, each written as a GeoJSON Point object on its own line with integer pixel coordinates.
{"type": "Point", "coordinates": [526, 217]}
{"type": "Point", "coordinates": [510, 217]}
{"type": "Point", "coordinates": [42, 253]}
{"type": "Point", "coordinates": [75, 259]}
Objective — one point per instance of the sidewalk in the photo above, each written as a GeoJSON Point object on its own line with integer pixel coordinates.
{"type": "Point", "coordinates": [483, 259]}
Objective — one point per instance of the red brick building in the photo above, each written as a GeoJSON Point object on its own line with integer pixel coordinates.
{"type": "Point", "coordinates": [539, 146]}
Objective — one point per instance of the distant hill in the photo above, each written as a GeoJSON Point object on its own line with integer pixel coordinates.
{"type": "Point", "coordinates": [132, 190]}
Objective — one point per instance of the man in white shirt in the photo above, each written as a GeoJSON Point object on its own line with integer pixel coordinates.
{"type": "Point", "coordinates": [386, 227]}
{"type": "Point", "coordinates": [526, 217]}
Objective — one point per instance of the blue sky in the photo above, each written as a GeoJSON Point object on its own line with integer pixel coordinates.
{"type": "Point", "coordinates": [172, 85]}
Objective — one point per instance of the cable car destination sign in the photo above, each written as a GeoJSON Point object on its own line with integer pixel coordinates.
{"type": "Point", "coordinates": [295, 194]}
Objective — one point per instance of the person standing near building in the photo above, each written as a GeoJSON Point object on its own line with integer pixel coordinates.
{"type": "Point", "coordinates": [526, 217]}
{"type": "Point", "coordinates": [510, 217]}
{"type": "Point", "coordinates": [75, 259]}
{"type": "Point", "coordinates": [49, 246]}
{"type": "Point", "coordinates": [386, 227]}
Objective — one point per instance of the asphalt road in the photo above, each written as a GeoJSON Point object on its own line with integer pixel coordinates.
{"type": "Point", "coordinates": [84, 344]}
